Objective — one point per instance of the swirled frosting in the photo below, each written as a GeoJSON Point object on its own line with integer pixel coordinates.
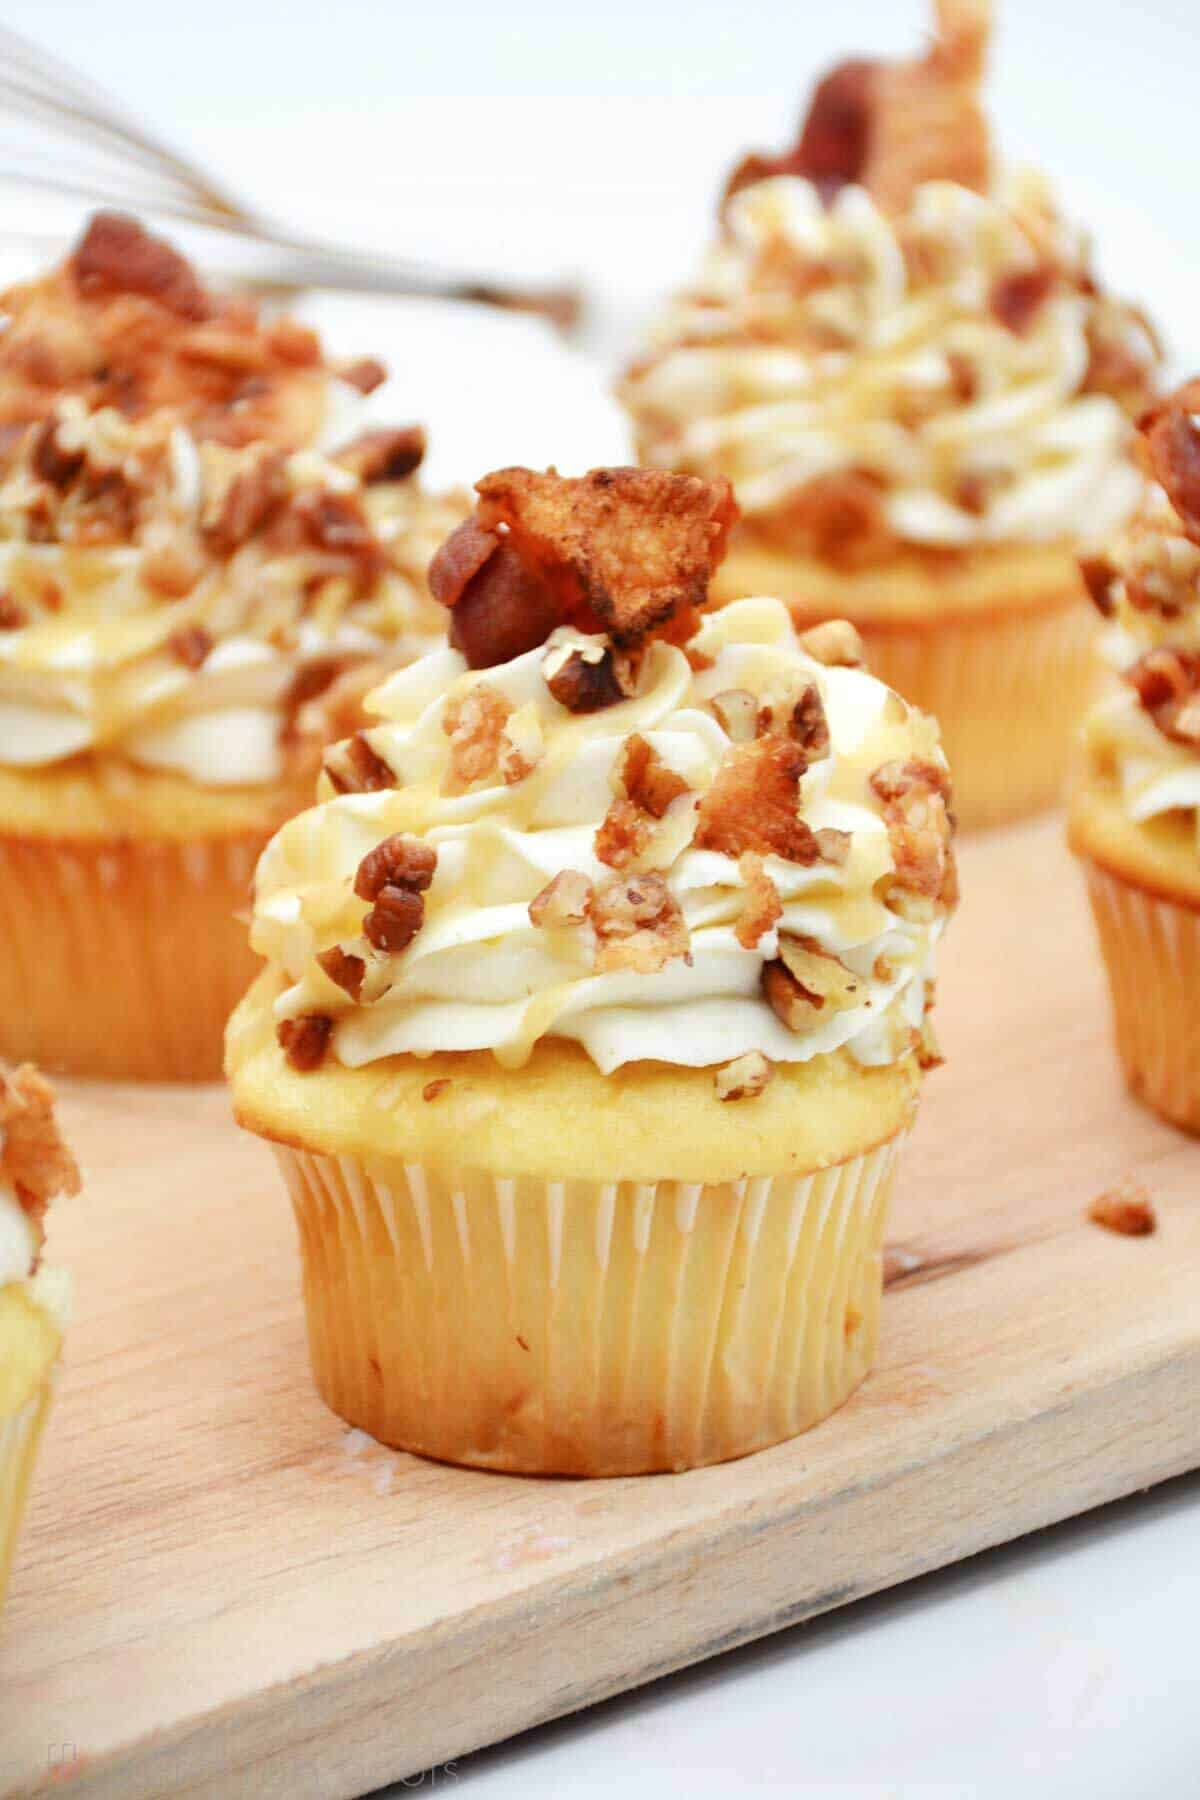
{"type": "Point", "coordinates": [955, 357]}
{"type": "Point", "coordinates": [1145, 730]}
{"type": "Point", "coordinates": [537, 822]}
{"type": "Point", "coordinates": [173, 603]}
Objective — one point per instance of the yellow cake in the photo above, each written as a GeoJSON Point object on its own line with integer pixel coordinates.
{"type": "Point", "coordinates": [897, 352]}
{"type": "Point", "coordinates": [1135, 809]}
{"type": "Point", "coordinates": [34, 1166]}
{"type": "Point", "coordinates": [193, 595]}
{"type": "Point", "coordinates": [591, 1030]}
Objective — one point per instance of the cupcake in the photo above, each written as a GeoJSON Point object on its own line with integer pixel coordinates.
{"type": "Point", "coordinates": [192, 596]}
{"type": "Point", "coordinates": [897, 353]}
{"type": "Point", "coordinates": [35, 1165]}
{"type": "Point", "coordinates": [594, 1009]}
{"type": "Point", "coordinates": [1135, 809]}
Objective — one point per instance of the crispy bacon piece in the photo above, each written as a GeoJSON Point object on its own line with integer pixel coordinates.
{"type": "Point", "coordinates": [762, 908]}
{"type": "Point", "coordinates": [32, 1152]}
{"type": "Point", "coordinates": [1167, 684]}
{"type": "Point", "coordinates": [645, 788]}
{"type": "Point", "coordinates": [753, 803]}
{"type": "Point", "coordinates": [638, 924]}
{"type": "Point", "coordinates": [1171, 447]}
{"type": "Point", "coordinates": [892, 126]}
{"type": "Point", "coordinates": [305, 1039]}
{"type": "Point", "coordinates": [116, 255]}
{"type": "Point", "coordinates": [499, 608]}
{"type": "Point", "coordinates": [388, 454]}
{"type": "Point", "coordinates": [624, 550]}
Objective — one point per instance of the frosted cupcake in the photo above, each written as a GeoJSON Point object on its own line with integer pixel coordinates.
{"type": "Point", "coordinates": [35, 1165]}
{"type": "Point", "coordinates": [898, 354]}
{"type": "Point", "coordinates": [1135, 811]}
{"type": "Point", "coordinates": [192, 595]}
{"type": "Point", "coordinates": [595, 1004]}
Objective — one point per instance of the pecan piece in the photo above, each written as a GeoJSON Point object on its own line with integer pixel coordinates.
{"type": "Point", "coordinates": [1018, 296]}
{"type": "Point", "coordinates": [1167, 684]}
{"type": "Point", "coordinates": [1172, 448]}
{"type": "Point", "coordinates": [191, 645]}
{"type": "Point", "coordinates": [737, 713]}
{"type": "Point", "coordinates": [836, 643]}
{"type": "Point", "coordinates": [354, 767]}
{"type": "Point", "coordinates": [762, 908]}
{"type": "Point", "coordinates": [745, 1078]}
{"type": "Point", "coordinates": [1100, 578]}
{"type": "Point", "coordinates": [587, 680]}
{"type": "Point", "coordinates": [915, 798]}
{"type": "Point", "coordinates": [387, 454]}
{"type": "Point", "coordinates": [1128, 1210]}
{"type": "Point", "coordinates": [563, 901]}
{"type": "Point", "coordinates": [474, 722]}
{"type": "Point", "coordinates": [12, 616]}
{"type": "Point", "coordinates": [394, 920]}
{"type": "Point", "coordinates": [645, 777]}
{"type": "Point", "coordinates": [116, 255]}
{"type": "Point", "coordinates": [638, 924]}
{"type": "Point", "coordinates": [305, 1039]}
{"type": "Point", "coordinates": [753, 803]}
{"type": "Point", "coordinates": [399, 861]}
{"type": "Point", "coordinates": [246, 502]}
{"type": "Point", "coordinates": [344, 970]}
{"type": "Point", "coordinates": [805, 981]}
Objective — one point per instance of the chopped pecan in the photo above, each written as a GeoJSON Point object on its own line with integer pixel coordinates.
{"type": "Point", "coordinates": [191, 645]}
{"type": "Point", "coordinates": [1019, 295]}
{"type": "Point", "coordinates": [344, 970]}
{"type": "Point", "coordinates": [365, 374]}
{"type": "Point", "coordinates": [744, 1078]}
{"type": "Point", "coordinates": [522, 745]}
{"type": "Point", "coordinates": [626, 549]}
{"type": "Point", "coordinates": [587, 679]}
{"type": "Point", "coordinates": [805, 981]}
{"type": "Point", "coordinates": [915, 798]}
{"type": "Point", "coordinates": [646, 778]}
{"type": "Point", "coordinates": [623, 834]}
{"type": "Point", "coordinates": [563, 901]}
{"type": "Point", "coordinates": [172, 568]}
{"type": "Point", "coordinates": [385, 454]}
{"type": "Point", "coordinates": [762, 908]}
{"type": "Point", "coordinates": [808, 726]}
{"type": "Point", "coordinates": [399, 861]}
{"type": "Point", "coordinates": [433, 1090]}
{"type": "Point", "coordinates": [474, 722]}
{"type": "Point", "coordinates": [1172, 446]}
{"type": "Point", "coordinates": [1167, 684]}
{"type": "Point", "coordinates": [839, 518]}
{"type": "Point", "coordinates": [355, 767]}
{"type": "Point", "coordinates": [753, 803]}
{"type": "Point", "coordinates": [12, 616]}
{"type": "Point", "coordinates": [638, 924]}
{"type": "Point", "coordinates": [394, 920]}
{"type": "Point", "coordinates": [243, 504]}
{"type": "Point", "coordinates": [116, 255]}
{"type": "Point", "coordinates": [305, 1039]}
{"type": "Point", "coordinates": [1127, 1210]}
{"type": "Point", "coordinates": [1099, 578]}
{"type": "Point", "coordinates": [737, 713]}
{"type": "Point", "coordinates": [928, 1050]}
{"type": "Point", "coordinates": [48, 459]}
{"type": "Point", "coordinates": [835, 642]}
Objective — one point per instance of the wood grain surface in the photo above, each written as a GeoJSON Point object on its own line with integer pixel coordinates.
{"type": "Point", "coordinates": [221, 1592]}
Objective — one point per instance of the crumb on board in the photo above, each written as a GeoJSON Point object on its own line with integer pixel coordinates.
{"type": "Point", "coordinates": [1127, 1210]}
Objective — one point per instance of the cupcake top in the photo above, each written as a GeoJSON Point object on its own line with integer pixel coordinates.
{"type": "Point", "coordinates": [601, 813]}
{"type": "Point", "coordinates": [35, 1166]}
{"type": "Point", "coordinates": [1146, 731]}
{"type": "Point", "coordinates": [182, 567]}
{"type": "Point", "coordinates": [893, 343]}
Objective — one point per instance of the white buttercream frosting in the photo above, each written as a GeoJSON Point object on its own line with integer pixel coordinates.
{"type": "Point", "coordinates": [481, 975]}
{"type": "Point", "coordinates": [822, 339]}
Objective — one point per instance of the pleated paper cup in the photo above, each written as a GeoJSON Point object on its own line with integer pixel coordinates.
{"type": "Point", "coordinates": [1151, 948]}
{"type": "Point", "coordinates": [20, 1434]}
{"type": "Point", "coordinates": [1008, 693]}
{"type": "Point", "coordinates": [123, 959]}
{"type": "Point", "coordinates": [587, 1328]}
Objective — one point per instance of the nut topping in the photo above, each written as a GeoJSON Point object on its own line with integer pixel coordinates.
{"type": "Point", "coordinates": [355, 767]}
{"type": "Point", "coordinates": [753, 803]}
{"type": "Point", "coordinates": [563, 901]}
{"type": "Point", "coordinates": [744, 1078]}
{"type": "Point", "coordinates": [638, 925]}
{"type": "Point", "coordinates": [305, 1039]}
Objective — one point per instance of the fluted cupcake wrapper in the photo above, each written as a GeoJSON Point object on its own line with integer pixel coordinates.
{"type": "Point", "coordinates": [20, 1435]}
{"type": "Point", "coordinates": [578, 1327]}
{"type": "Point", "coordinates": [1007, 690]}
{"type": "Point", "coordinates": [1152, 952]}
{"type": "Point", "coordinates": [123, 960]}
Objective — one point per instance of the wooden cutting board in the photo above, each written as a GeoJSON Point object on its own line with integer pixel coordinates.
{"type": "Point", "coordinates": [221, 1592]}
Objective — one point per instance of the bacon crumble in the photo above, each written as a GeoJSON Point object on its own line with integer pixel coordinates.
{"type": "Point", "coordinates": [645, 787]}
{"type": "Point", "coordinates": [191, 645]}
{"type": "Point", "coordinates": [1018, 296]}
{"type": "Point", "coordinates": [916, 811]}
{"type": "Point", "coordinates": [32, 1152]}
{"type": "Point", "coordinates": [753, 803]}
{"type": "Point", "coordinates": [1170, 445]}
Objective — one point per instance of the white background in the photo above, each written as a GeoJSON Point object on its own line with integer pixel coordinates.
{"type": "Point", "coordinates": [559, 139]}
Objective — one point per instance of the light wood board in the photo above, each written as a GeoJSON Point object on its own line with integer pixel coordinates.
{"type": "Point", "coordinates": [218, 1593]}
